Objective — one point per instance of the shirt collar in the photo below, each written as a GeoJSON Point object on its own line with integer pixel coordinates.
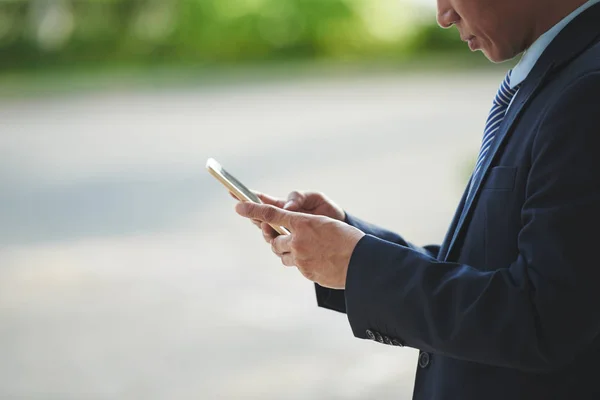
{"type": "Point", "coordinates": [532, 55]}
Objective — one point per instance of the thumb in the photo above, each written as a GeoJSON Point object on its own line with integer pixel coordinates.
{"type": "Point", "coordinates": [266, 213]}
{"type": "Point", "coordinates": [265, 198]}
{"type": "Point", "coordinates": [295, 201]}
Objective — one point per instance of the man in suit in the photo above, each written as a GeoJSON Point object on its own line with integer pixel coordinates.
{"type": "Point", "coordinates": [508, 307]}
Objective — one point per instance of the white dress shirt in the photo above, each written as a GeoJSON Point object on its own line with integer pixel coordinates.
{"type": "Point", "coordinates": [533, 53]}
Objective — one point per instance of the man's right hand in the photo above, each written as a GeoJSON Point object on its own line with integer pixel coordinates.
{"type": "Point", "coordinates": [304, 202]}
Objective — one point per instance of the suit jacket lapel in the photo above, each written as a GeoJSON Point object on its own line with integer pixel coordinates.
{"type": "Point", "coordinates": [522, 97]}
{"type": "Point", "coordinates": [449, 234]}
{"type": "Point", "coordinates": [572, 41]}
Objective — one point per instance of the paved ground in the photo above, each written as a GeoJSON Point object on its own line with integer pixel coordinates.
{"type": "Point", "coordinates": [124, 273]}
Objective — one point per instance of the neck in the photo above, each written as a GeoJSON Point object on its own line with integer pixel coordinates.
{"type": "Point", "coordinates": [548, 14]}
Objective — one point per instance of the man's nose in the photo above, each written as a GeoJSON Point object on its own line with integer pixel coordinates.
{"type": "Point", "coordinates": [446, 16]}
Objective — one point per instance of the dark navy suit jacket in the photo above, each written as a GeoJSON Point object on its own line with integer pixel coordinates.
{"type": "Point", "coordinates": [509, 306]}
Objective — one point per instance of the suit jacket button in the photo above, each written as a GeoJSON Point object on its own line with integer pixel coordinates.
{"type": "Point", "coordinates": [370, 334]}
{"type": "Point", "coordinates": [424, 359]}
{"type": "Point", "coordinates": [387, 340]}
{"type": "Point", "coordinates": [396, 342]}
{"type": "Point", "coordinates": [378, 337]}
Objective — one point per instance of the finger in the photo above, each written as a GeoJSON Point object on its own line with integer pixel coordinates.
{"type": "Point", "coordinates": [256, 222]}
{"type": "Point", "coordinates": [265, 198]}
{"type": "Point", "coordinates": [295, 201]}
{"type": "Point", "coordinates": [281, 244]}
{"type": "Point", "coordinates": [287, 259]}
{"type": "Point", "coordinates": [267, 213]}
{"type": "Point", "coordinates": [278, 254]}
{"type": "Point", "coordinates": [268, 232]}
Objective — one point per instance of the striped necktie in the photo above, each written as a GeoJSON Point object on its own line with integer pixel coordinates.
{"type": "Point", "coordinates": [501, 102]}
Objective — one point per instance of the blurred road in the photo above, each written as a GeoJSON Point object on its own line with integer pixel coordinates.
{"type": "Point", "coordinates": [125, 274]}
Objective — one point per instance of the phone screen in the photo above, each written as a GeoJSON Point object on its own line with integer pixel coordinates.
{"type": "Point", "coordinates": [240, 186]}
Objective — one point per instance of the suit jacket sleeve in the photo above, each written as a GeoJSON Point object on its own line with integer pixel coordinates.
{"type": "Point", "coordinates": [335, 299]}
{"type": "Point", "coordinates": [536, 314]}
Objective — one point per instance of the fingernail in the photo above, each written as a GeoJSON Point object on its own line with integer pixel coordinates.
{"type": "Point", "coordinates": [288, 204]}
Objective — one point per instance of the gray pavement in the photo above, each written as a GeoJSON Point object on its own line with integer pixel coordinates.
{"type": "Point", "coordinates": [125, 274]}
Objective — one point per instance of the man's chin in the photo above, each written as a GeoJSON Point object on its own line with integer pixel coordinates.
{"type": "Point", "coordinates": [493, 58]}
{"type": "Point", "coordinates": [497, 57]}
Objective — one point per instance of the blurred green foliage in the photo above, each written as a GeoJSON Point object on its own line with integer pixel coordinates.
{"type": "Point", "coordinates": [45, 33]}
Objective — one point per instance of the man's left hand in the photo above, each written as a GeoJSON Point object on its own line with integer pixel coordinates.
{"type": "Point", "coordinates": [320, 247]}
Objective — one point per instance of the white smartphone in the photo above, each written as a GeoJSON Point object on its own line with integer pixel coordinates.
{"type": "Point", "coordinates": [237, 188]}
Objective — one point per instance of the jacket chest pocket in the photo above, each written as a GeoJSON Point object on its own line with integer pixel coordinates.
{"type": "Point", "coordinates": [501, 216]}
